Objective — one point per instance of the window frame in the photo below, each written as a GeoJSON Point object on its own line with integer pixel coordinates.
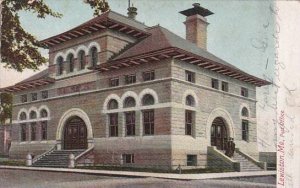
{"type": "Point", "coordinates": [34, 96]}
{"type": "Point", "coordinates": [148, 75]}
{"type": "Point", "coordinates": [189, 122]}
{"type": "Point", "coordinates": [130, 124]}
{"type": "Point", "coordinates": [114, 82]}
{"type": "Point", "coordinates": [45, 94]}
{"type": "Point", "coordinates": [24, 98]}
{"type": "Point", "coordinates": [109, 107]}
{"type": "Point", "coordinates": [113, 125]}
{"type": "Point", "coordinates": [128, 158]}
{"type": "Point", "coordinates": [245, 130]}
{"type": "Point", "coordinates": [70, 59]}
{"type": "Point", "coordinates": [81, 59]}
{"type": "Point", "coordinates": [44, 130]}
{"type": "Point", "coordinates": [144, 103]}
{"type": "Point", "coordinates": [192, 161]}
{"type": "Point", "coordinates": [23, 129]}
{"type": "Point", "coordinates": [244, 92]}
{"type": "Point", "coordinates": [33, 131]}
{"type": "Point", "coordinates": [60, 63]}
{"type": "Point", "coordinates": [125, 104]}
{"type": "Point", "coordinates": [130, 79]}
{"type": "Point", "coordinates": [187, 99]}
{"type": "Point", "coordinates": [225, 86]}
{"type": "Point", "coordinates": [190, 76]}
{"type": "Point", "coordinates": [94, 56]}
{"type": "Point", "coordinates": [215, 83]}
{"type": "Point", "coordinates": [148, 122]}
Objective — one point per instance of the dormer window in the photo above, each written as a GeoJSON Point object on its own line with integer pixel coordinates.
{"type": "Point", "coordinates": [94, 56]}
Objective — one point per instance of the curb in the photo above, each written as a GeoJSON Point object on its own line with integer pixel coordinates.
{"type": "Point", "coordinates": [148, 174]}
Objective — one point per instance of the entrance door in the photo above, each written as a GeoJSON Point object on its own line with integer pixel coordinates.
{"type": "Point", "coordinates": [75, 134]}
{"type": "Point", "coordinates": [218, 134]}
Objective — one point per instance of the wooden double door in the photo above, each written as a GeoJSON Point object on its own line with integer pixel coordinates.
{"type": "Point", "coordinates": [219, 135]}
{"type": "Point", "coordinates": [75, 134]}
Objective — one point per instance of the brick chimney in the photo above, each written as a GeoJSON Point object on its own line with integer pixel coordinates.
{"type": "Point", "coordinates": [196, 25]}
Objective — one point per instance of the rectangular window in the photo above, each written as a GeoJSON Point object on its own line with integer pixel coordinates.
{"type": "Point", "coordinates": [23, 132]}
{"type": "Point", "coordinates": [130, 123]}
{"type": "Point", "coordinates": [33, 131]}
{"type": "Point", "coordinates": [33, 96]}
{"type": "Point", "coordinates": [128, 158]}
{"type": "Point", "coordinates": [148, 121]}
{"type": "Point", "coordinates": [113, 82]}
{"type": "Point", "coordinates": [44, 94]}
{"type": "Point", "coordinates": [23, 98]}
{"type": "Point", "coordinates": [244, 92]}
{"type": "Point", "coordinates": [44, 130]}
{"type": "Point", "coordinates": [190, 76]}
{"type": "Point", "coordinates": [191, 160]}
{"type": "Point", "coordinates": [225, 86]}
{"type": "Point", "coordinates": [150, 75]}
{"type": "Point", "coordinates": [113, 124]}
{"type": "Point", "coordinates": [215, 83]}
{"type": "Point", "coordinates": [245, 130]}
{"type": "Point", "coordinates": [188, 122]}
{"type": "Point", "coordinates": [130, 79]}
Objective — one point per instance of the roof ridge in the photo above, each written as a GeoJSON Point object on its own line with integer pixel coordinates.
{"type": "Point", "coordinates": [127, 17]}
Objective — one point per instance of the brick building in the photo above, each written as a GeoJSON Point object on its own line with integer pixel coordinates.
{"type": "Point", "coordinates": [118, 92]}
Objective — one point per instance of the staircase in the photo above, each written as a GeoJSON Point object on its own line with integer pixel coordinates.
{"type": "Point", "coordinates": [56, 158]}
{"type": "Point", "coordinates": [245, 164]}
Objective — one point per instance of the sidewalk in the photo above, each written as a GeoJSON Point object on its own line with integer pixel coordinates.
{"type": "Point", "coordinates": [149, 174]}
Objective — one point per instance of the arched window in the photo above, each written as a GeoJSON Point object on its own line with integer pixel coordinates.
{"type": "Point", "coordinates": [94, 56]}
{"type": "Point", "coordinates": [71, 62]}
{"type": "Point", "coordinates": [32, 115]}
{"type": "Point", "coordinates": [129, 102]}
{"type": "Point", "coordinates": [23, 116]}
{"type": "Point", "coordinates": [43, 113]}
{"type": "Point", "coordinates": [245, 112]}
{"type": "Point", "coordinates": [60, 64]}
{"type": "Point", "coordinates": [81, 59]}
{"type": "Point", "coordinates": [190, 101]}
{"type": "Point", "coordinates": [113, 104]}
{"type": "Point", "coordinates": [148, 100]}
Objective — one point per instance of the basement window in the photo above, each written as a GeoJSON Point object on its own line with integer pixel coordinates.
{"type": "Point", "coordinates": [191, 160]}
{"type": "Point", "coordinates": [128, 158]}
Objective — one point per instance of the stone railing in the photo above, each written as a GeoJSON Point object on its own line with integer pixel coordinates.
{"type": "Point", "coordinates": [262, 165]}
{"type": "Point", "coordinates": [43, 154]}
{"type": "Point", "coordinates": [217, 159]}
{"type": "Point", "coordinates": [80, 158]}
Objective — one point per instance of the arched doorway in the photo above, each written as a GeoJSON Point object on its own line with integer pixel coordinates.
{"type": "Point", "coordinates": [75, 134]}
{"type": "Point", "coordinates": [219, 135]}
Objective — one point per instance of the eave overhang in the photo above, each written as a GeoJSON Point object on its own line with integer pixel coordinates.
{"type": "Point", "coordinates": [28, 85]}
{"type": "Point", "coordinates": [103, 22]}
{"type": "Point", "coordinates": [182, 55]}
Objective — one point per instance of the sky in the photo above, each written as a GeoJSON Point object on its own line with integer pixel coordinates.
{"type": "Point", "coordinates": [240, 32]}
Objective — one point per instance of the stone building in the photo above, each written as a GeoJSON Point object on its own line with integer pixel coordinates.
{"type": "Point", "coordinates": [118, 92]}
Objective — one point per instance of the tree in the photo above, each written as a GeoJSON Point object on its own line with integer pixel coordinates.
{"type": "Point", "coordinates": [19, 49]}
{"type": "Point", "coordinates": [5, 107]}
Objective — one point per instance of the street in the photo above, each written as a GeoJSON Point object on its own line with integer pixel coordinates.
{"type": "Point", "coordinates": [42, 179]}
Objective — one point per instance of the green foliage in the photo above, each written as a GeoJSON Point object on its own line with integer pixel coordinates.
{"type": "Point", "coordinates": [99, 6]}
{"type": "Point", "coordinates": [19, 49]}
{"type": "Point", "coordinates": [5, 107]}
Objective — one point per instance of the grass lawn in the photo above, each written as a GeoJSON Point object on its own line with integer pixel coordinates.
{"type": "Point", "coordinates": [12, 163]}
